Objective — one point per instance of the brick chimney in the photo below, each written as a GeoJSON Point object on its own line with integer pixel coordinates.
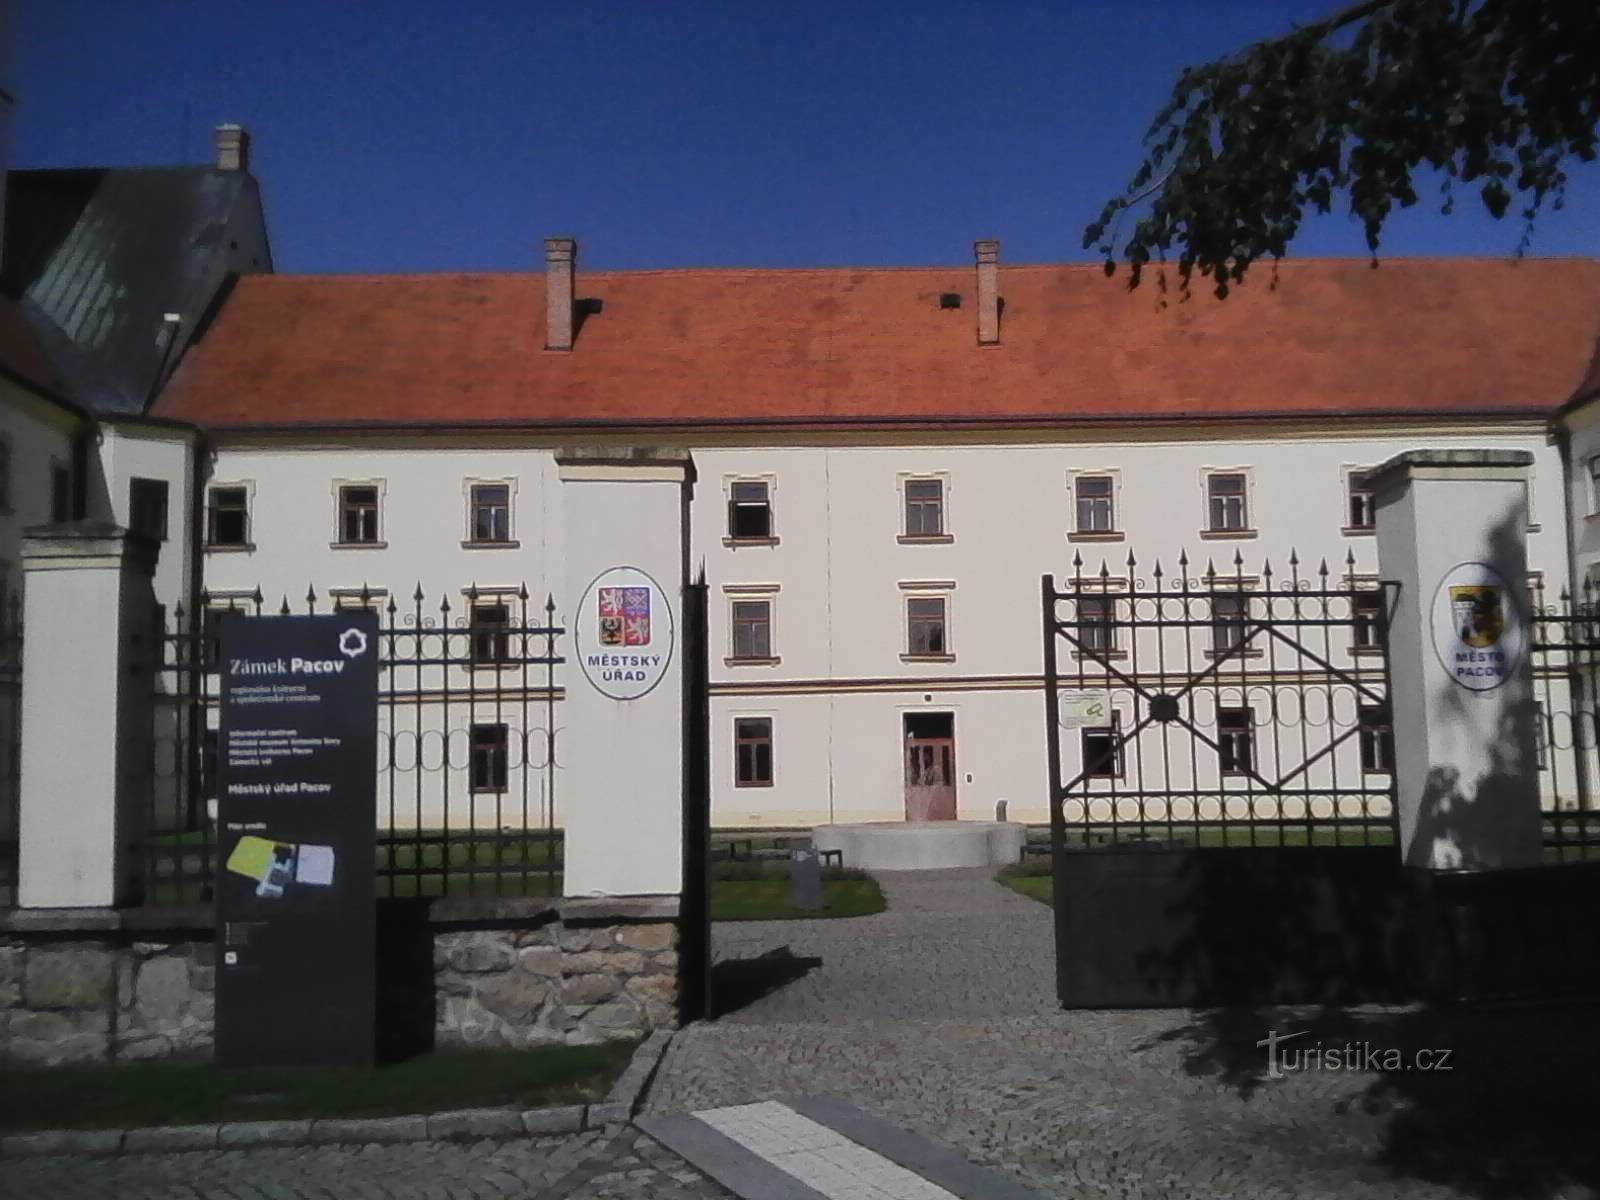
{"type": "Point", "coordinates": [560, 261]}
{"type": "Point", "coordinates": [233, 148]}
{"type": "Point", "coordinates": [988, 253]}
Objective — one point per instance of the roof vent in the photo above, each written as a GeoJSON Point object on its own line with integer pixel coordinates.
{"type": "Point", "coordinates": [233, 148]}
{"type": "Point", "coordinates": [949, 300]}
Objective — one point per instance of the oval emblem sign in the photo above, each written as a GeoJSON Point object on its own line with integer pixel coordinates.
{"type": "Point", "coordinates": [624, 633]}
{"type": "Point", "coordinates": [1479, 629]}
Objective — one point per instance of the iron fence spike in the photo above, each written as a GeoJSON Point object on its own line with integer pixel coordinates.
{"type": "Point", "coordinates": [1323, 569]}
{"type": "Point", "coordinates": [283, 609]}
{"type": "Point", "coordinates": [1077, 559]}
{"type": "Point", "coordinates": [522, 592]}
{"type": "Point", "coordinates": [417, 595]}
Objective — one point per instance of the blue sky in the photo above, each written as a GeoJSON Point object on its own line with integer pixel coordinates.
{"type": "Point", "coordinates": [411, 136]}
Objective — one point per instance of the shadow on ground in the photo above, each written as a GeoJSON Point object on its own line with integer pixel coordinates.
{"type": "Point", "coordinates": [1512, 1118]}
{"type": "Point", "coordinates": [739, 982]}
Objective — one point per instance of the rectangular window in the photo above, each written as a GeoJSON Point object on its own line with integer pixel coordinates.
{"type": "Point", "coordinates": [358, 515]}
{"type": "Point", "coordinates": [490, 641]}
{"type": "Point", "coordinates": [1095, 629]}
{"type": "Point", "coordinates": [489, 758]}
{"type": "Point", "coordinates": [1235, 741]}
{"type": "Point", "coordinates": [752, 752]}
{"type": "Point", "coordinates": [924, 508]}
{"type": "Point", "coordinates": [1228, 615]}
{"type": "Point", "coordinates": [1594, 485]}
{"type": "Point", "coordinates": [1094, 494]}
{"type": "Point", "coordinates": [5, 473]}
{"type": "Point", "coordinates": [60, 493]}
{"type": "Point", "coordinates": [228, 517]}
{"type": "Point", "coordinates": [752, 629]}
{"type": "Point", "coordinates": [925, 627]}
{"type": "Point", "coordinates": [1225, 493]}
{"type": "Point", "coordinates": [1377, 740]}
{"type": "Point", "coordinates": [749, 511]}
{"type": "Point", "coordinates": [491, 512]}
{"type": "Point", "coordinates": [1367, 617]}
{"type": "Point", "coordinates": [147, 508]}
{"type": "Point", "coordinates": [1359, 511]}
{"type": "Point", "coordinates": [1102, 752]}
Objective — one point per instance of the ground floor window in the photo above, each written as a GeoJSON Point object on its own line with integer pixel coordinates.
{"type": "Point", "coordinates": [1377, 740]}
{"type": "Point", "coordinates": [489, 758]}
{"type": "Point", "coordinates": [1102, 752]}
{"type": "Point", "coordinates": [752, 752]}
{"type": "Point", "coordinates": [1235, 749]}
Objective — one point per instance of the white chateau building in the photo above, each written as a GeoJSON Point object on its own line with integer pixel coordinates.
{"type": "Point", "coordinates": [886, 462]}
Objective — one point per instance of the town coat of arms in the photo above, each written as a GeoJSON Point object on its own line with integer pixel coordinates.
{"type": "Point", "coordinates": [1479, 614]}
{"type": "Point", "coordinates": [624, 616]}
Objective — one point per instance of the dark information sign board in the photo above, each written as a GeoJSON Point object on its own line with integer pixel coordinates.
{"type": "Point", "coordinates": [297, 782]}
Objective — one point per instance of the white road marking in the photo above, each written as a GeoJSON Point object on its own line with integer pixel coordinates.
{"type": "Point", "coordinates": [823, 1160]}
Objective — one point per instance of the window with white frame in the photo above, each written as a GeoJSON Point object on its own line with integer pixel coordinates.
{"type": "Point", "coordinates": [1097, 631]}
{"type": "Point", "coordinates": [1367, 621]}
{"type": "Point", "coordinates": [489, 761]}
{"type": "Point", "coordinates": [927, 631]}
{"type": "Point", "coordinates": [358, 514]}
{"type": "Point", "coordinates": [1360, 514]}
{"type": "Point", "coordinates": [1102, 751]}
{"type": "Point", "coordinates": [1376, 734]}
{"type": "Point", "coordinates": [1235, 741]}
{"type": "Point", "coordinates": [751, 628]}
{"type": "Point", "coordinates": [752, 751]}
{"type": "Point", "coordinates": [1227, 502]}
{"type": "Point", "coordinates": [750, 510]}
{"type": "Point", "coordinates": [228, 516]}
{"type": "Point", "coordinates": [1229, 611]}
{"type": "Point", "coordinates": [489, 514]}
{"type": "Point", "coordinates": [1094, 497]}
{"type": "Point", "coordinates": [488, 632]}
{"type": "Point", "coordinates": [924, 508]}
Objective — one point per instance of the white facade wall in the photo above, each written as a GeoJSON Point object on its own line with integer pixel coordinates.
{"type": "Point", "coordinates": [838, 575]}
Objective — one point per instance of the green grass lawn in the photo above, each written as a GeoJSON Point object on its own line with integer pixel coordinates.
{"type": "Point", "coordinates": [1031, 879]}
{"type": "Point", "coordinates": [768, 899]}
{"type": "Point", "coordinates": [90, 1097]}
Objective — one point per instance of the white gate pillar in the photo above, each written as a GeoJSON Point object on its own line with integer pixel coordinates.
{"type": "Point", "coordinates": [621, 745]}
{"type": "Point", "coordinates": [88, 652]}
{"type": "Point", "coordinates": [1452, 532]}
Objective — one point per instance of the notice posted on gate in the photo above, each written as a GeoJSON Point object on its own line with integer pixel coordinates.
{"type": "Point", "coordinates": [296, 811]}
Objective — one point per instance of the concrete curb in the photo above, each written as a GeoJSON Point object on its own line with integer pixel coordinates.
{"type": "Point", "coordinates": [621, 1102]}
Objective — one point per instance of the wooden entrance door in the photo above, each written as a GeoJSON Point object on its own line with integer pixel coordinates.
{"type": "Point", "coordinates": [930, 767]}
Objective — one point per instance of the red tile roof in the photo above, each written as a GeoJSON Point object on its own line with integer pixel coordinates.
{"type": "Point", "coordinates": [21, 356]}
{"type": "Point", "coordinates": [829, 347]}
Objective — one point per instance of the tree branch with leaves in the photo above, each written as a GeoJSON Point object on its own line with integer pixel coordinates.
{"type": "Point", "coordinates": [1500, 95]}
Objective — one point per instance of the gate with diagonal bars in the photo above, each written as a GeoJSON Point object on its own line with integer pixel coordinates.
{"type": "Point", "coordinates": [1217, 740]}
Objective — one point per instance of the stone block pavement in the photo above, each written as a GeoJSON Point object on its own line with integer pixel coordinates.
{"type": "Point", "coordinates": [939, 1016]}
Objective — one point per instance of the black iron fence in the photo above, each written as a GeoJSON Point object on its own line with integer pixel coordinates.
{"type": "Point", "coordinates": [1218, 708]}
{"type": "Point", "coordinates": [1565, 652]}
{"type": "Point", "coordinates": [10, 745]}
{"type": "Point", "coordinates": [467, 767]}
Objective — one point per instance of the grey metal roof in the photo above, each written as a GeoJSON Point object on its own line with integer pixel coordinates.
{"type": "Point", "coordinates": [98, 256]}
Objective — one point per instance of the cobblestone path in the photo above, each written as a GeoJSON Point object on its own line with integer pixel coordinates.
{"type": "Point", "coordinates": [939, 1015]}
{"type": "Point", "coordinates": [616, 1164]}
{"type": "Point", "coordinates": [952, 945]}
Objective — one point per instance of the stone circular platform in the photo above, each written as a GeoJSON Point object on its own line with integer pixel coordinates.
{"type": "Point", "coordinates": [923, 845]}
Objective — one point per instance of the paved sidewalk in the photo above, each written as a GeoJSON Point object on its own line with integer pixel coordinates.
{"type": "Point", "coordinates": [952, 944]}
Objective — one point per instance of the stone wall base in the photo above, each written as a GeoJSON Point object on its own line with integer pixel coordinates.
{"type": "Point", "coordinates": [104, 986]}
